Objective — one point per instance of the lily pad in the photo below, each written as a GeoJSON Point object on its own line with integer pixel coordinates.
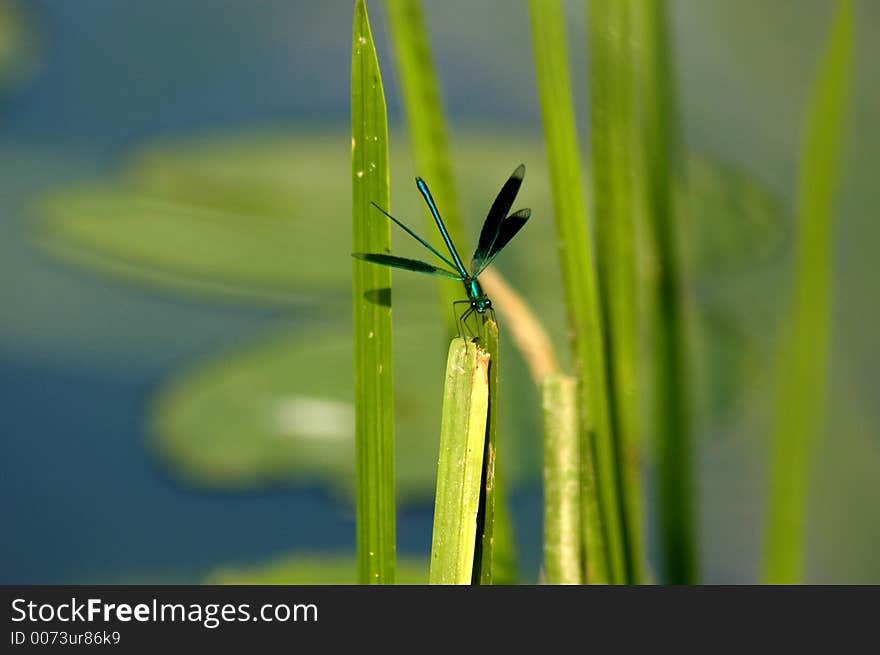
{"type": "Point", "coordinates": [281, 413]}
{"type": "Point", "coordinates": [731, 221]}
{"type": "Point", "coordinates": [260, 218]}
{"type": "Point", "coordinates": [129, 233]}
{"type": "Point", "coordinates": [735, 234]}
{"type": "Point", "coordinates": [314, 570]}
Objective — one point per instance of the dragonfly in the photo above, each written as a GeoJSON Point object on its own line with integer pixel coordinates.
{"type": "Point", "coordinates": [498, 229]}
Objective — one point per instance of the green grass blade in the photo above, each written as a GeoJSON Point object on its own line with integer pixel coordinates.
{"type": "Point", "coordinates": [613, 139]}
{"type": "Point", "coordinates": [562, 525]}
{"type": "Point", "coordinates": [605, 557]}
{"type": "Point", "coordinates": [504, 568]}
{"type": "Point", "coordinates": [484, 558]}
{"type": "Point", "coordinates": [427, 129]}
{"type": "Point", "coordinates": [799, 412]}
{"type": "Point", "coordinates": [491, 567]}
{"type": "Point", "coordinates": [374, 391]}
{"type": "Point", "coordinates": [671, 402]}
{"type": "Point", "coordinates": [460, 466]}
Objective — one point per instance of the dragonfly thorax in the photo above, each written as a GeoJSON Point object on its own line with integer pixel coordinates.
{"type": "Point", "coordinates": [479, 300]}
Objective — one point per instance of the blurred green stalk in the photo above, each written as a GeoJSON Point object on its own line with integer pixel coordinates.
{"type": "Point", "coordinates": [799, 411]}
{"type": "Point", "coordinates": [671, 388]}
{"type": "Point", "coordinates": [484, 563]}
{"type": "Point", "coordinates": [613, 139]}
{"type": "Point", "coordinates": [374, 366]}
{"type": "Point", "coordinates": [562, 532]}
{"type": "Point", "coordinates": [601, 513]}
{"type": "Point", "coordinates": [427, 130]}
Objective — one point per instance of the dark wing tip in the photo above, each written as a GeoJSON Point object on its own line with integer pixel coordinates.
{"type": "Point", "coordinates": [520, 172]}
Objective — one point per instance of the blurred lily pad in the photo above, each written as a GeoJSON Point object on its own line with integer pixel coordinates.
{"type": "Point", "coordinates": [735, 238]}
{"type": "Point", "coordinates": [731, 221]}
{"type": "Point", "coordinates": [149, 238]}
{"type": "Point", "coordinates": [281, 413]}
{"type": "Point", "coordinates": [268, 175]}
{"type": "Point", "coordinates": [262, 218]}
{"type": "Point", "coordinates": [314, 570]}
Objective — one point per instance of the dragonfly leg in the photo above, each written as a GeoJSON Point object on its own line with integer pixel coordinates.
{"type": "Point", "coordinates": [467, 333]}
{"type": "Point", "coordinates": [458, 319]}
{"type": "Point", "coordinates": [483, 318]}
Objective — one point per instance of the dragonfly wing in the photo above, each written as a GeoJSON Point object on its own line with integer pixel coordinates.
{"type": "Point", "coordinates": [495, 217]}
{"type": "Point", "coordinates": [414, 235]}
{"type": "Point", "coordinates": [406, 264]}
{"type": "Point", "coordinates": [509, 227]}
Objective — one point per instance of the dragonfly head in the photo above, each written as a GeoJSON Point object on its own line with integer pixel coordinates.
{"type": "Point", "coordinates": [482, 304]}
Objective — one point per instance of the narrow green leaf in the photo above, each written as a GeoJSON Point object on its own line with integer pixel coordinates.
{"type": "Point", "coordinates": [605, 556]}
{"type": "Point", "coordinates": [423, 107]}
{"type": "Point", "coordinates": [613, 139]}
{"type": "Point", "coordinates": [460, 465]}
{"type": "Point", "coordinates": [374, 391]}
{"type": "Point", "coordinates": [489, 569]}
{"type": "Point", "coordinates": [799, 412]}
{"type": "Point", "coordinates": [562, 532]}
{"type": "Point", "coordinates": [484, 557]}
{"type": "Point", "coordinates": [504, 568]}
{"type": "Point", "coordinates": [671, 393]}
